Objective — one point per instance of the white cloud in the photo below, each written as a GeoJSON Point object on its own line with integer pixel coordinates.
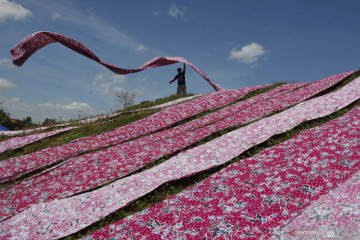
{"type": "Point", "coordinates": [55, 16]}
{"type": "Point", "coordinates": [141, 48]}
{"type": "Point", "coordinates": [12, 10]}
{"type": "Point", "coordinates": [108, 83]}
{"type": "Point", "coordinates": [6, 84]}
{"type": "Point", "coordinates": [249, 54]}
{"type": "Point", "coordinates": [176, 11]}
{"type": "Point", "coordinates": [74, 106]}
{"type": "Point", "coordinates": [40, 112]}
{"type": "Point", "coordinates": [6, 62]}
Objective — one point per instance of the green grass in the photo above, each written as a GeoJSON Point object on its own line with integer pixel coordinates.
{"type": "Point", "coordinates": [147, 104]}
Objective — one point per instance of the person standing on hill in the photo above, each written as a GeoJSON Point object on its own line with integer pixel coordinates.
{"type": "Point", "coordinates": [181, 89]}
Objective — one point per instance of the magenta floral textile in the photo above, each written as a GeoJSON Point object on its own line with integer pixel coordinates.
{"type": "Point", "coordinates": [18, 142]}
{"type": "Point", "coordinates": [91, 170]}
{"type": "Point", "coordinates": [16, 167]}
{"type": "Point", "coordinates": [256, 196]}
{"type": "Point", "coordinates": [335, 215]}
{"type": "Point", "coordinates": [62, 217]}
{"type": "Point", "coordinates": [29, 45]}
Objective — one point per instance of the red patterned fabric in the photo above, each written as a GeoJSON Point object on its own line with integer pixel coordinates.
{"type": "Point", "coordinates": [15, 167]}
{"type": "Point", "coordinates": [257, 196]}
{"type": "Point", "coordinates": [62, 217]}
{"type": "Point", "coordinates": [18, 142]}
{"type": "Point", "coordinates": [94, 169]}
{"type": "Point", "coordinates": [29, 45]}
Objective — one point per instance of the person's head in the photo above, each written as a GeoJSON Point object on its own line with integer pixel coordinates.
{"type": "Point", "coordinates": [179, 70]}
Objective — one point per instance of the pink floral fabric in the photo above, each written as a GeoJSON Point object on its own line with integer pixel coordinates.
{"type": "Point", "coordinates": [18, 166]}
{"type": "Point", "coordinates": [30, 44]}
{"type": "Point", "coordinates": [255, 197]}
{"type": "Point", "coordinates": [62, 217]}
{"type": "Point", "coordinates": [18, 142]}
{"type": "Point", "coordinates": [335, 215]}
{"type": "Point", "coordinates": [91, 170]}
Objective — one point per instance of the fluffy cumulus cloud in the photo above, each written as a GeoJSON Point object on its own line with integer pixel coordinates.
{"type": "Point", "coordinates": [249, 54]}
{"type": "Point", "coordinates": [176, 11]}
{"type": "Point", "coordinates": [109, 83]}
{"type": "Point", "coordinates": [12, 10]}
{"type": "Point", "coordinates": [6, 84]}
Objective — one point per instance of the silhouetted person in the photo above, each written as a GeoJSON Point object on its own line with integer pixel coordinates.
{"type": "Point", "coordinates": [181, 89]}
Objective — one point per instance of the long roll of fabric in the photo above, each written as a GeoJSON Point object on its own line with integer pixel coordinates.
{"type": "Point", "coordinates": [18, 142]}
{"type": "Point", "coordinates": [18, 166]}
{"type": "Point", "coordinates": [30, 44]}
{"type": "Point", "coordinates": [60, 218]}
{"type": "Point", "coordinates": [257, 196]}
{"type": "Point", "coordinates": [94, 119]}
{"type": "Point", "coordinates": [94, 169]}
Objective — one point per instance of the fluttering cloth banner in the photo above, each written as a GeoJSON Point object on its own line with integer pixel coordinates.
{"type": "Point", "coordinates": [29, 45]}
{"type": "Point", "coordinates": [60, 218]}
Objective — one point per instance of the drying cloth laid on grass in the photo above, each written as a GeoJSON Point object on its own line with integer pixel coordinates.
{"type": "Point", "coordinates": [28, 131]}
{"type": "Point", "coordinates": [29, 45]}
{"type": "Point", "coordinates": [18, 166]}
{"type": "Point", "coordinates": [333, 216]}
{"type": "Point", "coordinates": [18, 142]}
{"type": "Point", "coordinates": [149, 124]}
{"type": "Point", "coordinates": [254, 197]}
{"type": "Point", "coordinates": [62, 217]}
{"type": "Point", "coordinates": [94, 169]}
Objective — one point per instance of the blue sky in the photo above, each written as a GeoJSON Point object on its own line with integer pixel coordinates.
{"type": "Point", "coordinates": [235, 43]}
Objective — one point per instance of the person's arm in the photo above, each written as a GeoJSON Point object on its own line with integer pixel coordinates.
{"type": "Point", "coordinates": [184, 67]}
{"type": "Point", "coordinates": [172, 80]}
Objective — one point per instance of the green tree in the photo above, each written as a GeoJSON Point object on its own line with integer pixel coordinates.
{"type": "Point", "coordinates": [49, 121]}
{"type": "Point", "coordinates": [27, 122]}
{"type": "Point", "coordinates": [5, 119]}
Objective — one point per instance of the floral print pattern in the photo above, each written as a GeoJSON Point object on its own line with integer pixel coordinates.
{"type": "Point", "coordinates": [91, 170]}
{"type": "Point", "coordinates": [62, 217]}
{"type": "Point", "coordinates": [255, 197]}
{"type": "Point", "coordinates": [15, 167]}
{"type": "Point", "coordinates": [18, 142]}
{"type": "Point", "coordinates": [335, 215]}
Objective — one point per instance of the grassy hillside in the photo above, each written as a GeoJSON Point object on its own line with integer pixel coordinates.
{"type": "Point", "coordinates": [173, 187]}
